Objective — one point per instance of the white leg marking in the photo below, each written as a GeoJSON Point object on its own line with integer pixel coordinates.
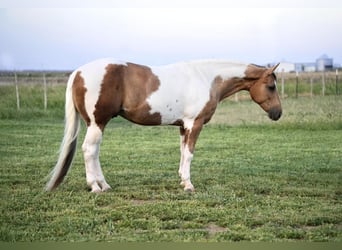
{"type": "Point", "coordinates": [185, 170]}
{"type": "Point", "coordinates": [100, 177]}
{"type": "Point", "coordinates": [91, 150]}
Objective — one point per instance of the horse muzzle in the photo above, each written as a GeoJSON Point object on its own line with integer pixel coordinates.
{"type": "Point", "coordinates": [275, 113]}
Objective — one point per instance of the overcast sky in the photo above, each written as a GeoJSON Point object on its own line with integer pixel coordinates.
{"type": "Point", "coordinates": [65, 38]}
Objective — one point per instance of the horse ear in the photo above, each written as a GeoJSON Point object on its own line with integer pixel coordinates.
{"type": "Point", "coordinates": [271, 70]}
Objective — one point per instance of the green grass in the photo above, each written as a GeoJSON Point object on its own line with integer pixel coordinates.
{"type": "Point", "coordinates": [255, 180]}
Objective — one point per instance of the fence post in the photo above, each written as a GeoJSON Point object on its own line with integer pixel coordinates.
{"type": "Point", "coordinates": [337, 90]}
{"type": "Point", "coordinates": [17, 90]}
{"type": "Point", "coordinates": [282, 84]}
{"type": "Point", "coordinates": [311, 86]}
{"type": "Point", "coordinates": [296, 84]}
{"type": "Point", "coordinates": [323, 83]}
{"type": "Point", "coordinates": [45, 91]}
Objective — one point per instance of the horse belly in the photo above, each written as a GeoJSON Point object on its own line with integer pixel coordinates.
{"type": "Point", "coordinates": [170, 111]}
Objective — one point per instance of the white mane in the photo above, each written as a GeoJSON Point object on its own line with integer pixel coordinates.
{"type": "Point", "coordinates": [207, 68]}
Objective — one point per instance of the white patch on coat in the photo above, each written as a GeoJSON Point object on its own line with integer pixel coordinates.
{"type": "Point", "coordinates": [185, 88]}
{"type": "Point", "coordinates": [188, 123]}
{"type": "Point", "coordinates": [93, 74]}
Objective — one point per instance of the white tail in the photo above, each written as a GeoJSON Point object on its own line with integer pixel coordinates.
{"type": "Point", "coordinates": [68, 146]}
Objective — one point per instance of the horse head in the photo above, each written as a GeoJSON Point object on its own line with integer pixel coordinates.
{"type": "Point", "coordinates": [264, 90]}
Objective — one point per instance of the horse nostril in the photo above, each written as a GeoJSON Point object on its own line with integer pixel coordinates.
{"type": "Point", "coordinates": [274, 114]}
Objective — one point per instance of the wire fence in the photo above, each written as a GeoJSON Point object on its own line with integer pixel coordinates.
{"type": "Point", "coordinates": [309, 83]}
{"type": "Point", "coordinates": [43, 81]}
{"type": "Point", "coordinates": [293, 84]}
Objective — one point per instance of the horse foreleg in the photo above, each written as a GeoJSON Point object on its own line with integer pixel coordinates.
{"type": "Point", "coordinates": [91, 150]}
{"type": "Point", "coordinates": [182, 148]}
{"type": "Point", "coordinates": [188, 140]}
{"type": "Point", "coordinates": [185, 170]}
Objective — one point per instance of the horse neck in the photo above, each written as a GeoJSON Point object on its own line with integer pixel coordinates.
{"type": "Point", "coordinates": [231, 86]}
{"type": "Point", "coordinates": [227, 77]}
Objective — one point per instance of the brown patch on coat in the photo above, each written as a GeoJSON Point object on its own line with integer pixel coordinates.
{"type": "Point", "coordinates": [139, 84]}
{"type": "Point", "coordinates": [142, 116]}
{"type": "Point", "coordinates": [254, 71]}
{"type": "Point", "coordinates": [124, 91]}
{"type": "Point", "coordinates": [208, 110]}
{"type": "Point", "coordinates": [110, 97]}
{"type": "Point", "coordinates": [78, 94]}
{"type": "Point", "coordinates": [220, 89]}
{"type": "Point", "coordinates": [190, 136]}
{"type": "Point", "coordinates": [225, 88]}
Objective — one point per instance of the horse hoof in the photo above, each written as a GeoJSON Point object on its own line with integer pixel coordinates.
{"type": "Point", "coordinates": [106, 188]}
{"type": "Point", "coordinates": [189, 190]}
{"type": "Point", "coordinates": [96, 191]}
{"type": "Point", "coordinates": [188, 187]}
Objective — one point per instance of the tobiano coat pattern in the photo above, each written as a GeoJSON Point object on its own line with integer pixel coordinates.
{"type": "Point", "coordinates": [184, 94]}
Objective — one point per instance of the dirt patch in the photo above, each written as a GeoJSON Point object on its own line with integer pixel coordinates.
{"type": "Point", "coordinates": [214, 229]}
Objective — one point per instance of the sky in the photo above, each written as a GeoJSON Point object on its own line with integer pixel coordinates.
{"type": "Point", "coordinates": [41, 36]}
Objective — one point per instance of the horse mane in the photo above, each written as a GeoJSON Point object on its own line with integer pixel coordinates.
{"type": "Point", "coordinates": [203, 62]}
{"type": "Point", "coordinates": [259, 66]}
{"type": "Point", "coordinates": [264, 67]}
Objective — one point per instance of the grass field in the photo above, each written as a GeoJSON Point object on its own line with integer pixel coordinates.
{"type": "Point", "coordinates": [255, 180]}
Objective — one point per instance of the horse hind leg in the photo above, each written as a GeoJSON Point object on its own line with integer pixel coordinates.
{"type": "Point", "coordinates": [182, 147]}
{"type": "Point", "coordinates": [91, 151]}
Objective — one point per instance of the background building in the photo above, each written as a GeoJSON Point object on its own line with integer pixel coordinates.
{"type": "Point", "coordinates": [322, 63]}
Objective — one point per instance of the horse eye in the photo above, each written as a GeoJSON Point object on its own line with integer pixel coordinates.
{"type": "Point", "coordinates": [271, 87]}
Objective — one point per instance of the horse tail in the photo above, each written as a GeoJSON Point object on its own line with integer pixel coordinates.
{"type": "Point", "coordinates": [68, 146]}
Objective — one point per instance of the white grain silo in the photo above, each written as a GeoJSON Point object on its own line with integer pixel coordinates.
{"type": "Point", "coordinates": [323, 63]}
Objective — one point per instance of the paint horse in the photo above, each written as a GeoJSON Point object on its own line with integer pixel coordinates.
{"type": "Point", "coordinates": [183, 94]}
